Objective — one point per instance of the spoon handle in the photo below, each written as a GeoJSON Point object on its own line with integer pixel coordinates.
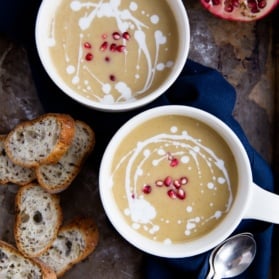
{"type": "Point", "coordinates": [211, 268]}
{"type": "Point", "coordinates": [210, 273]}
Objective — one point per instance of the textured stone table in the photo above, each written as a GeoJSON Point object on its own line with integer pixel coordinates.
{"type": "Point", "coordinates": [245, 53]}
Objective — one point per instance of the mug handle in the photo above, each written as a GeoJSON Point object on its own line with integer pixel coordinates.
{"type": "Point", "coordinates": [263, 205]}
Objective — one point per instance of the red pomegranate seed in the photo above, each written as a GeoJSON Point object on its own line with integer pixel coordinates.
{"type": "Point", "coordinates": [112, 77]}
{"type": "Point", "coordinates": [120, 48]}
{"type": "Point", "coordinates": [229, 8]}
{"type": "Point", "coordinates": [174, 162]}
{"type": "Point", "coordinates": [168, 181]}
{"type": "Point", "coordinates": [113, 47]}
{"type": "Point", "coordinates": [181, 194]}
{"type": "Point", "coordinates": [147, 189]}
{"type": "Point", "coordinates": [176, 183]}
{"type": "Point", "coordinates": [107, 59]}
{"type": "Point", "coordinates": [235, 3]}
{"type": "Point", "coordinates": [87, 45]}
{"type": "Point", "coordinates": [126, 36]}
{"type": "Point", "coordinates": [159, 183]}
{"type": "Point", "coordinates": [255, 10]}
{"type": "Point", "coordinates": [252, 4]}
{"type": "Point", "coordinates": [104, 46]}
{"type": "Point", "coordinates": [89, 56]}
{"type": "Point", "coordinates": [172, 194]}
{"type": "Point", "coordinates": [262, 4]}
{"type": "Point", "coordinates": [116, 35]}
{"type": "Point", "coordinates": [216, 2]}
{"type": "Point", "coordinates": [133, 196]}
{"type": "Point", "coordinates": [183, 180]}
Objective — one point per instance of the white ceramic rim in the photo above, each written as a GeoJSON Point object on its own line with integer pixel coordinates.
{"type": "Point", "coordinates": [208, 241]}
{"type": "Point", "coordinates": [47, 11]}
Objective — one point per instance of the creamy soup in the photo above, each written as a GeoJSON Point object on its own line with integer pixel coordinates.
{"type": "Point", "coordinates": [113, 51]}
{"type": "Point", "coordinates": [173, 178]}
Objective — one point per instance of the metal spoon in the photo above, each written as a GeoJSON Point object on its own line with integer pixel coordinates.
{"type": "Point", "coordinates": [232, 257]}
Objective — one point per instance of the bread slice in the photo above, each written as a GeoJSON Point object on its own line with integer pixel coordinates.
{"type": "Point", "coordinates": [74, 243]}
{"type": "Point", "coordinates": [14, 265]}
{"type": "Point", "coordinates": [12, 173]}
{"type": "Point", "coordinates": [57, 177]}
{"type": "Point", "coordinates": [38, 219]}
{"type": "Point", "coordinates": [41, 140]}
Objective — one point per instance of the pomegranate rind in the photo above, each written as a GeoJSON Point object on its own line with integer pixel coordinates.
{"type": "Point", "coordinates": [241, 13]}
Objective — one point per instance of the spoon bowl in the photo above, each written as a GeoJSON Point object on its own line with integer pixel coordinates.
{"type": "Point", "coordinates": [233, 256]}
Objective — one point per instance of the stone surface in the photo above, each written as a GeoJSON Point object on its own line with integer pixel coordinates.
{"type": "Point", "coordinates": [243, 52]}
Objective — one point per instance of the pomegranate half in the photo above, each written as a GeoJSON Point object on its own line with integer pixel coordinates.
{"type": "Point", "coordinates": [240, 10]}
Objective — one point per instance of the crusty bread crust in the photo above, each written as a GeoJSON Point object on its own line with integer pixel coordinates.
{"type": "Point", "coordinates": [75, 242]}
{"type": "Point", "coordinates": [24, 143]}
{"type": "Point", "coordinates": [56, 177]}
{"type": "Point", "coordinates": [10, 260]}
{"type": "Point", "coordinates": [12, 173]}
{"type": "Point", "coordinates": [38, 219]}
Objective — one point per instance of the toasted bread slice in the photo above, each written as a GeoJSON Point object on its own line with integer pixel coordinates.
{"type": "Point", "coordinates": [14, 265]}
{"type": "Point", "coordinates": [57, 177]}
{"type": "Point", "coordinates": [74, 243]}
{"type": "Point", "coordinates": [38, 219]}
{"type": "Point", "coordinates": [12, 173]}
{"type": "Point", "coordinates": [40, 141]}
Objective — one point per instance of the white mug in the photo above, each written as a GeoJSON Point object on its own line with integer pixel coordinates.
{"type": "Point", "coordinates": [250, 201]}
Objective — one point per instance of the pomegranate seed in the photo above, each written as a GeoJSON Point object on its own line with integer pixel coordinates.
{"type": "Point", "coordinates": [174, 162]}
{"type": "Point", "coordinates": [252, 4]}
{"type": "Point", "coordinates": [147, 189]}
{"type": "Point", "coordinates": [112, 77]}
{"type": "Point", "coordinates": [88, 56]}
{"type": "Point", "coordinates": [172, 194]}
{"type": "Point", "coordinates": [183, 180]}
{"type": "Point", "coordinates": [168, 181]}
{"type": "Point", "coordinates": [126, 36]}
{"type": "Point", "coordinates": [176, 183]}
{"type": "Point", "coordinates": [262, 4]}
{"type": "Point", "coordinates": [216, 2]}
{"type": "Point", "coordinates": [159, 183]}
{"type": "Point", "coordinates": [120, 48]}
{"type": "Point", "coordinates": [104, 46]}
{"type": "Point", "coordinates": [116, 36]}
{"type": "Point", "coordinates": [107, 59]}
{"type": "Point", "coordinates": [113, 47]}
{"type": "Point", "coordinates": [235, 3]}
{"type": "Point", "coordinates": [181, 194]}
{"type": "Point", "coordinates": [229, 8]}
{"type": "Point", "coordinates": [133, 196]}
{"type": "Point", "coordinates": [87, 45]}
{"type": "Point", "coordinates": [255, 10]}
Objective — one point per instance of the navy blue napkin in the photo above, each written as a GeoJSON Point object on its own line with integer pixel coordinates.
{"type": "Point", "coordinates": [197, 86]}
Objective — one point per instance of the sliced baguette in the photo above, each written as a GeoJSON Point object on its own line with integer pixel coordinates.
{"type": "Point", "coordinates": [12, 173]}
{"type": "Point", "coordinates": [57, 177]}
{"type": "Point", "coordinates": [38, 219]}
{"type": "Point", "coordinates": [41, 140]}
{"type": "Point", "coordinates": [14, 265]}
{"type": "Point", "coordinates": [74, 243]}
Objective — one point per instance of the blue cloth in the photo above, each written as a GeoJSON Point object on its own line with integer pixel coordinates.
{"type": "Point", "coordinates": [197, 86]}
